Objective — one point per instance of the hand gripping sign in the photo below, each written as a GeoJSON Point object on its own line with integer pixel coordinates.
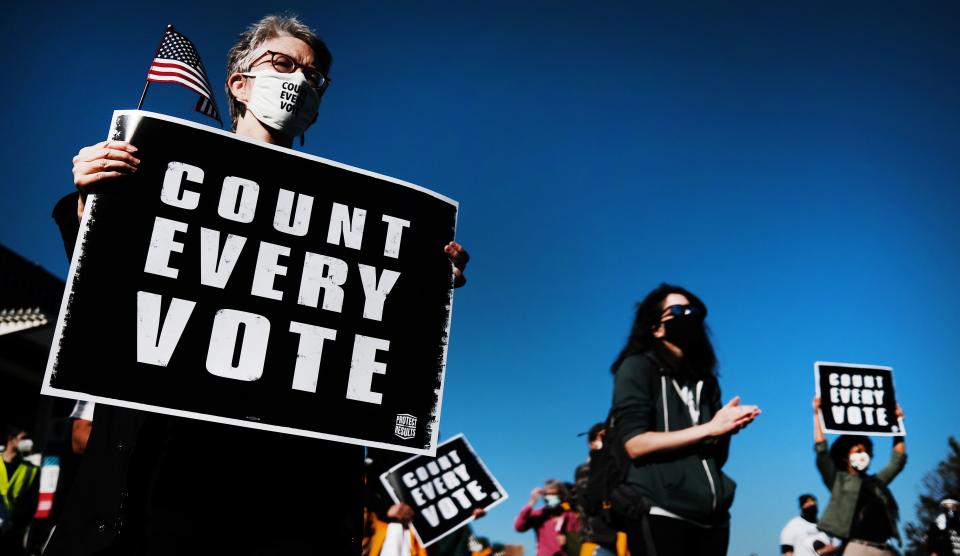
{"type": "Point", "coordinates": [857, 399]}
{"type": "Point", "coordinates": [234, 281]}
{"type": "Point", "coordinates": [443, 491]}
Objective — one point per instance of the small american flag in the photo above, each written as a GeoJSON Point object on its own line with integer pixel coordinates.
{"type": "Point", "coordinates": [178, 61]}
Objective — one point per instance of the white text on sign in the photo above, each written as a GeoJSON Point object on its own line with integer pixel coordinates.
{"type": "Point", "coordinates": [857, 399]}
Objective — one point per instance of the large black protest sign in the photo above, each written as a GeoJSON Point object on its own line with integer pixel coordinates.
{"type": "Point", "coordinates": [857, 399]}
{"type": "Point", "coordinates": [234, 281]}
{"type": "Point", "coordinates": [443, 491]}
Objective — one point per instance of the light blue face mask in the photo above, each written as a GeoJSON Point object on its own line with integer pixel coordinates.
{"type": "Point", "coordinates": [551, 500]}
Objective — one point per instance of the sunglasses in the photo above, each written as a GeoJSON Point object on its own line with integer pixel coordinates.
{"type": "Point", "coordinates": [684, 311]}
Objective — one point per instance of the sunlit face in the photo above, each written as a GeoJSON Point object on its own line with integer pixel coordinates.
{"type": "Point", "coordinates": [671, 299]}
{"type": "Point", "coordinates": [295, 48]}
{"type": "Point", "coordinates": [809, 503]}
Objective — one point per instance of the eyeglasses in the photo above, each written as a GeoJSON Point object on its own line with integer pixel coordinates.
{"type": "Point", "coordinates": [685, 310]}
{"type": "Point", "coordinates": [285, 64]}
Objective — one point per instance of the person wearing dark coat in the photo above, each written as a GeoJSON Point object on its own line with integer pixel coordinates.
{"type": "Point", "coordinates": [155, 484]}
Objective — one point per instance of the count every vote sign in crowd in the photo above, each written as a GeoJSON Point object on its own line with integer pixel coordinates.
{"type": "Point", "coordinates": [238, 282]}
{"type": "Point", "coordinates": [857, 399]}
{"type": "Point", "coordinates": [444, 491]}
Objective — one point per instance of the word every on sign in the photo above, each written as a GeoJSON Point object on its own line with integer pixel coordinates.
{"type": "Point", "coordinates": [321, 285]}
{"type": "Point", "coordinates": [857, 399]}
{"type": "Point", "coordinates": [440, 485]}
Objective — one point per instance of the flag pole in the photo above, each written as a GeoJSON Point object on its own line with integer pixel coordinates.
{"type": "Point", "coordinates": [147, 85]}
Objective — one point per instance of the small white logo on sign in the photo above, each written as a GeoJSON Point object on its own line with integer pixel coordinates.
{"type": "Point", "coordinates": [406, 426]}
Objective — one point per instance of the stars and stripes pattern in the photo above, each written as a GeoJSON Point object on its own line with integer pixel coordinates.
{"type": "Point", "coordinates": [177, 61]}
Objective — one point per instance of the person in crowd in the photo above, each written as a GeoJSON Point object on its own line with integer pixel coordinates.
{"type": "Point", "coordinates": [599, 539]}
{"type": "Point", "coordinates": [552, 522]}
{"type": "Point", "coordinates": [861, 511]}
{"type": "Point", "coordinates": [19, 489]}
{"type": "Point", "coordinates": [943, 537]}
{"type": "Point", "coordinates": [800, 535]}
{"type": "Point", "coordinates": [387, 523]}
{"type": "Point", "coordinates": [387, 529]}
{"type": "Point", "coordinates": [668, 413]}
{"type": "Point", "coordinates": [154, 484]}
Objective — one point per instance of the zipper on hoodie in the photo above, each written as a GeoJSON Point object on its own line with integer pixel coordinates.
{"type": "Point", "coordinates": [666, 426]}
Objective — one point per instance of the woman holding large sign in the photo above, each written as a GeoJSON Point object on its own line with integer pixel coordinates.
{"type": "Point", "coordinates": [676, 431]}
{"type": "Point", "coordinates": [156, 484]}
{"type": "Point", "coordinates": [861, 511]}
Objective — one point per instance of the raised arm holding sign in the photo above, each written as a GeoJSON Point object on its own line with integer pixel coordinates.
{"type": "Point", "coordinates": [446, 492]}
{"type": "Point", "coordinates": [857, 399]}
{"type": "Point", "coordinates": [861, 510]}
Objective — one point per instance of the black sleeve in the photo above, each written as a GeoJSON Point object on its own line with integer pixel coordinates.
{"type": "Point", "coordinates": [65, 215]}
{"type": "Point", "coordinates": [784, 548]}
{"type": "Point", "coordinates": [634, 398]}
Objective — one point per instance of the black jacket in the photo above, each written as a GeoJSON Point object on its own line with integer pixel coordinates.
{"type": "Point", "coordinates": [688, 482]}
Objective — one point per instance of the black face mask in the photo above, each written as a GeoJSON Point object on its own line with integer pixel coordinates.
{"type": "Point", "coordinates": [809, 514]}
{"type": "Point", "coordinates": [685, 332]}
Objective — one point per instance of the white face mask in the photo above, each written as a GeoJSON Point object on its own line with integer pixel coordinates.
{"type": "Point", "coordinates": [859, 460]}
{"type": "Point", "coordinates": [551, 500]}
{"type": "Point", "coordinates": [284, 102]}
{"type": "Point", "coordinates": [25, 446]}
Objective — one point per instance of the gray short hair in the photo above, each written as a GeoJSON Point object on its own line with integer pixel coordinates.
{"type": "Point", "coordinates": [270, 27]}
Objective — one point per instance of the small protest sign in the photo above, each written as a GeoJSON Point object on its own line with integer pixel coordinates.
{"type": "Point", "coordinates": [443, 491]}
{"type": "Point", "coordinates": [239, 282]}
{"type": "Point", "coordinates": [857, 399]}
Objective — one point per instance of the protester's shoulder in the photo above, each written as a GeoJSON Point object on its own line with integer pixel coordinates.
{"type": "Point", "coordinates": [786, 534]}
{"type": "Point", "coordinates": [638, 365]}
{"type": "Point", "coordinates": [795, 523]}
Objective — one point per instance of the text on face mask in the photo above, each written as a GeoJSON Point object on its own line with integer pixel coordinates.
{"type": "Point", "coordinates": [288, 97]}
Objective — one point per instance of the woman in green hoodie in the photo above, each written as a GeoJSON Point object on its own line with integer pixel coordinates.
{"type": "Point", "coordinates": [676, 431]}
{"type": "Point", "coordinates": [861, 511]}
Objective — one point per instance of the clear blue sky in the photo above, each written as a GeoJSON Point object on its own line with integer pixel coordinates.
{"type": "Point", "coordinates": [797, 167]}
